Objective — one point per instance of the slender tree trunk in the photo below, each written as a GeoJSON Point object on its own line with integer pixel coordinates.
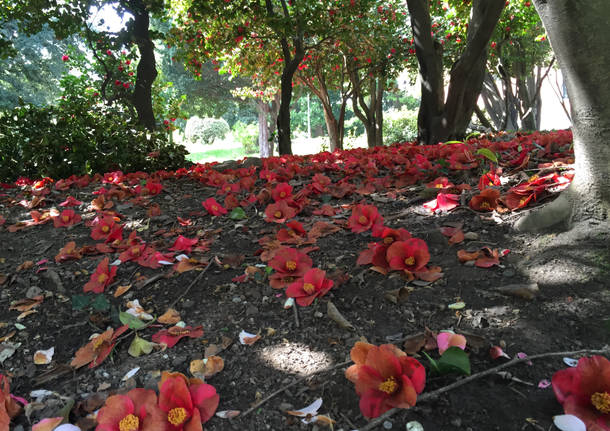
{"type": "Point", "coordinates": [291, 63]}
{"type": "Point", "coordinates": [263, 128]}
{"type": "Point", "coordinates": [583, 55]}
{"type": "Point", "coordinates": [441, 119]}
{"type": "Point", "coordinates": [147, 68]}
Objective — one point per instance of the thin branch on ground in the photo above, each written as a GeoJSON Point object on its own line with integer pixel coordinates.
{"type": "Point", "coordinates": [188, 288]}
{"type": "Point", "coordinates": [299, 380]}
{"type": "Point", "coordinates": [435, 394]}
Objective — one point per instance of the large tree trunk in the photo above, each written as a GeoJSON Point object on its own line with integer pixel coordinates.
{"type": "Point", "coordinates": [291, 63]}
{"type": "Point", "coordinates": [147, 68]}
{"type": "Point", "coordinates": [575, 29]}
{"type": "Point", "coordinates": [441, 119]}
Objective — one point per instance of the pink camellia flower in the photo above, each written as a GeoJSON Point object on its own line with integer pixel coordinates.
{"type": "Point", "coordinates": [584, 391]}
{"type": "Point", "coordinates": [313, 284]}
{"type": "Point", "coordinates": [136, 410]}
{"type": "Point", "coordinates": [187, 403]}
{"type": "Point", "coordinates": [447, 339]}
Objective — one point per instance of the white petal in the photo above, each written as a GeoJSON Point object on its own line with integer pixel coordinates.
{"type": "Point", "coordinates": [311, 409]}
{"type": "Point", "coordinates": [289, 303]}
{"type": "Point", "coordinates": [67, 427]}
{"type": "Point", "coordinates": [130, 373]}
{"type": "Point", "coordinates": [570, 362]}
{"type": "Point", "coordinates": [414, 426]}
{"type": "Point", "coordinates": [569, 423]}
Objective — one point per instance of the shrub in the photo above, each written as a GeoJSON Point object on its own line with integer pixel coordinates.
{"type": "Point", "coordinates": [247, 136]}
{"type": "Point", "coordinates": [56, 142]}
{"type": "Point", "coordinates": [205, 130]}
{"type": "Point", "coordinates": [399, 125]}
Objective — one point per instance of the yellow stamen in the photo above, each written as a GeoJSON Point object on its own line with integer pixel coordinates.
{"type": "Point", "coordinates": [102, 278]}
{"type": "Point", "coordinates": [135, 250]}
{"type": "Point", "coordinates": [309, 288]}
{"type": "Point", "coordinates": [277, 214]}
{"type": "Point", "coordinates": [389, 386]}
{"type": "Point", "coordinates": [388, 240]}
{"type": "Point", "coordinates": [282, 194]}
{"type": "Point", "coordinates": [129, 423]}
{"type": "Point", "coordinates": [522, 201]}
{"type": "Point", "coordinates": [362, 219]}
{"type": "Point", "coordinates": [409, 261]}
{"type": "Point", "coordinates": [291, 265]}
{"type": "Point", "coordinates": [177, 416]}
{"type": "Point", "coordinates": [601, 401]}
{"type": "Point", "coordinates": [485, 205]}
{"type": "Point", "coordinates": [214, 208]}
{"type": "Point", "coordinates": [439, 186]}
{"type": "Point", "coordinates": [105, 228]}
{"type": "Point", "coordinates": [65, 218]}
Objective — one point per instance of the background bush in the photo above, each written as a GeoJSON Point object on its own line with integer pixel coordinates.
{"type": "Point", "coordinates": [205, 130]}
{"type": "Point", "coordinates": [247, 136]}
{"type": "Point", "coordinates": [399, 125]}
{"type": "Point", "coordinates": [58, 141]}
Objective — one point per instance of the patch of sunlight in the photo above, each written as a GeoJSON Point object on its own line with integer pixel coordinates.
{"type": "Point", "coordinates": [295, 358]}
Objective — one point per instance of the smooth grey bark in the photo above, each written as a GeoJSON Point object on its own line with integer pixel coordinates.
{"type": "Point", "coordinates": [576, 30]}
{"type": "Point", "coordinates": [263, 128]}
{"type": "Point", "coordinates": [371, 113]}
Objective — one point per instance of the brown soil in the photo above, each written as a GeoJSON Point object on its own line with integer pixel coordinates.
{"type": "Point", "coordinates": [571, 271]}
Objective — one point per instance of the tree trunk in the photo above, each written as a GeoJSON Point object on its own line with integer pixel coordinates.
{"type": "Point", "coordinates": [370, 114]}
{"type": "Point", "coordinates": [583, 56]}
{"type": "Point", "coordinates": [264, 146]}
{"type": "Point", "coordinates": [147, 68]}
{"type": "Point", "coordinates": [441, 119]}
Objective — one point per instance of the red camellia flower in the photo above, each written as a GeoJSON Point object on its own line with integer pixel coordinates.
{"type": "Point", "coordinates": [312, 285]}
{"type": "Point", "coordinates": [103, 228]}
{"type": "Point", "coordinates": [281, 191]}
{"type": "Point", "coordinates": [293, 233]}
{"type": "Point", "coordinates": [137, 410]}
{"type": "Point", "coordinates": [584, 391]}
{"type": "Point", "coordinates": [184, 244]}
{"type": "Point", "coordinates": [279, 212]}
{"type": "Point", "coordinates": [101, 278]}
{"type": "Point", "coordinates": [213, 207]}
{"type": "Point", "coordinates": [410, 255]}
{"type": "Point", "coordinates": [187, 403]}
{"type": "Point", "coordinates": [8, 406]}
{"type": "Point", "coordinates": [487, 200]}
{"type": "Point", "coordinates": [488, 180]}
{"type": "Point", "coordinates": [363, 218]}
{"type": "Point", "coordinates": [289, 264]}
{"type": "Point", "coordinates": [171, 336]}
{"type": "Point", "coordinates": [66, 218]}
{"type": "Point", "coordinates": [385, 378]}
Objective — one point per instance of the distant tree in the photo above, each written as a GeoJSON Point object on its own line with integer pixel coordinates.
{"type": "Point", "coordinates": [23, 80]}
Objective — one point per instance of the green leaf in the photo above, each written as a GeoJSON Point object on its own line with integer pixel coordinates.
{"type": "Point", "coordinates": [452, 142]}
{"type": "Point", "coordinates": [100, 303]}
{"type": "Point", "coordinates": [80, 302]}
{"type": "Point", "coordinates": [238, 213]}
{"type": "Point", "coordinates": [485, 152]}
{"type": "Point", "coordinates": [454, 360]}
{"type": "Point", "coordinates": [132, 321]}
{"type": "Point", "coordinates": [433, 364]}
{"type": "Point", "coordinates": [140, 346]}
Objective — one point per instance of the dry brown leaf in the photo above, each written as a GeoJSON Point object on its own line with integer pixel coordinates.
{"type": "Point", "coordinates": [7, 336]}
{"type": "Point", "coordinates": [121, 290]}
{"type": "Point", "coordinates": [211, 350]}
{"type": "Point", "coordinates": [26, 304]}
{"type": "Point", "coordinates": [3, 279]}
{"type": "Point", "coordinates": [170, 317]}
{"type": "Point", "coordinates": [26, 314]}
{"type": "Point", "coordinates": [228, 414]}
{"type": "Point", "coordinates": [398, 296]}
{"type": "Point", "coordinates": [207, 367]}
{"type": "Point", "coordinates": [44, 357]}
{"type": "Point", "coordinates": [525, 291]}
{"type": "Point", "coordinates": [335, 315]}
{"type": "Point", "coordinates": [25, 265]}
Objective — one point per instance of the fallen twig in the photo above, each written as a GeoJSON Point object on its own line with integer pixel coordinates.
{"type": "Point", "coordinates": [435, 394]}
{"type": "Point", "coordinates": [188, 288]}
{"type": "Point", "coordinates": [296, 316]}
{"type": "Point", "coordinates": [299, 380]}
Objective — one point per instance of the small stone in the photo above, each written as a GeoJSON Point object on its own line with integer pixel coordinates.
{"type": "Point", "coordinates": [178, 360]}
{"type": "Point", "coordinates": [318, 314]}
{"type": "Point", "coordinates": [471, 236]}
{"type": "Point", "coordinates": [33, 292]}
{"type": "Point", "coordinates": [286, 406]}
{"type": "Point", "coordinates": [456, 422]}
{"type": "Point", "coordinates": [387, 425]}
{"type": "Point", "coordinates": [508, 273]}
{"type": "Point", "coordinates": [187, 304]}
{"type": "Point", "coordinates": [236, 299]}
